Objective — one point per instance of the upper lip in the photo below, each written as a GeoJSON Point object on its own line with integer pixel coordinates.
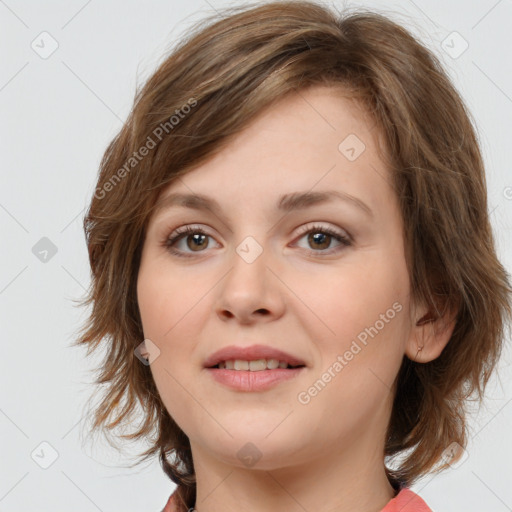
{"type": "Point", "coordinates": [251, 353]}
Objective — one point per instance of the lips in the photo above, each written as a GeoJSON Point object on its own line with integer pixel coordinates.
{"type": "Point", "coordinates": [251, 353]}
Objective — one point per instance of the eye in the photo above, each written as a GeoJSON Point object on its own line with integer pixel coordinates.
{"type": "Point", "coordinates": [321, 237]}
{"type": "Point", "coordinates": [197, 239]}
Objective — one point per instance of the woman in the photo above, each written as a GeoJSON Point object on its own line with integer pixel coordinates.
{"type": "Point", "coordinates": [293, 269]}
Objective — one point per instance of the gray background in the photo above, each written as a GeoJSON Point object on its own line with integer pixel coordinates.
{"type": "Point", "coordinates": [57, 116]}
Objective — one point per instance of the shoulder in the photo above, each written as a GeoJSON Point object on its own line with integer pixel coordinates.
{"type": "Point", "coordinates": [406, 501]}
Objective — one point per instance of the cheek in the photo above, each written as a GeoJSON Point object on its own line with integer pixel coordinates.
{"type": "Point", "coordinates": [362, 309]}
{"type": "Point", "coordinates": [164, 318]}
{"type": "Point", "coordinates": [169, 307]}
{"type": "Point", "coordinates": [166, 300]}
{"type": "Point", "coordinates": [360, 358]}
{"type": "Point", "coordinates": [356, 296]}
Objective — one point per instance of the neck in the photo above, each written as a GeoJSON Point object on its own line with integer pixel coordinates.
{"type": "Point", "coordinates": [352, 481]}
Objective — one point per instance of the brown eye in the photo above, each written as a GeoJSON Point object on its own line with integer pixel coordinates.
{"type": "Point", "coordinates": [196, 240]}
{"type": "Point", "coordinates": [319, 238]}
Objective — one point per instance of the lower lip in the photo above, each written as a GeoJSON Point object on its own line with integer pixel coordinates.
{"type": "Point", "coordinates": [245, 380]}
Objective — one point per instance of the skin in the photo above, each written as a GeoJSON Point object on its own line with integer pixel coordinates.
{"type": "Point", "coordinates": [327, 454]}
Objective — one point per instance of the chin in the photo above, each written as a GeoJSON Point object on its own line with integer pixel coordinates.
{"type": "Point", "coordinates": [253, 456]}
{"type": "Point", "coordinates": [253, 448]}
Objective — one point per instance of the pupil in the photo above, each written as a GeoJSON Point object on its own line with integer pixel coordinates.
{"type": "Point", "coordinates": [317, 237]}
{"type": "Point", "coordinates": [196, 237]}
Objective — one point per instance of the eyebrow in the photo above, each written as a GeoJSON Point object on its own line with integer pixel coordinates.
{"type": "Point", "coordinates": [287, 202]}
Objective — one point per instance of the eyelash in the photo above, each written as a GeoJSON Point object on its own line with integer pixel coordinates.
{"type": "Point", "coordinates": [179, 233]}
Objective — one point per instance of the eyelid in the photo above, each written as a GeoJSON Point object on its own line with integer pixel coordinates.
{"type": "Point", "coordinates": [181, 231]}
{"type": "Point", "coordinates": [319, 226]}
{"type": "Point", "coordinates": [302, 230]}
{"type": "Point", "coordinates": [343, 238]}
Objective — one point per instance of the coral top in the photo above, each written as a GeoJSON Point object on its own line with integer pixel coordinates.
{"type": "Point", "coordinates": [405, 501]}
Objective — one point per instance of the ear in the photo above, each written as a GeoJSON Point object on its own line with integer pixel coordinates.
{"type": "Point", "coordinates": [430, 334]}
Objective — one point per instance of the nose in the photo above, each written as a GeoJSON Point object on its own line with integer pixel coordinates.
{"type": "Point", "coordinates": [251, 291]}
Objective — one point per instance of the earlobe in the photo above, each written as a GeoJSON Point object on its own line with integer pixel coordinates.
{"type": "Point", "coordinates": [429, 336]}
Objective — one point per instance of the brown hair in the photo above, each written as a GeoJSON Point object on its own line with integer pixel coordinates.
{"type": "Point", "coordinates": [213, 83]}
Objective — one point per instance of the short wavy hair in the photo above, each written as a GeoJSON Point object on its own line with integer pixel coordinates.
{"type": "Point", "coordinates": [230, 67]}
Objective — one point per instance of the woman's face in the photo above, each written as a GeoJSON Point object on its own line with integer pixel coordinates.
{"type": "Point", "coordinates": [254, 272]}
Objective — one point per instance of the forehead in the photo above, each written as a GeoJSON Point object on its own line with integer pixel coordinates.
{"type": "Point", "coordinates": [315, 140]}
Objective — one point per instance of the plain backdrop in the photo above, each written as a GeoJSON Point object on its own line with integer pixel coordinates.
{"type": "Point", "coordinates": [67, 80]}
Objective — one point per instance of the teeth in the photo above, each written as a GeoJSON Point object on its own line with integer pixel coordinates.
{"type": "Point", "coordinates": [272, 364]}
{"type": "Point", "coordinates": [254, 366]}
{"type": "Point", "coordinates": [241, 365]}
{"type": "Point", "coordinates": [257, 366]}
